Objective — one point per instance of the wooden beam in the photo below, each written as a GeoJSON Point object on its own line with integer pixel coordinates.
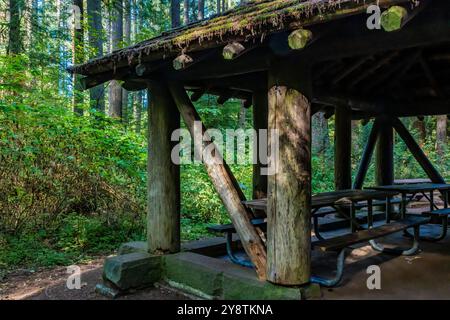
{"type": "Point", "coordinates": [384, 162]}
{"type": "Point", "coordinates": [350, 69]}
{"type": "Point", "coordinates": [343, 149]}
{"type": "Point", "coordinates": [299, 39]}
{"type": "Point", "coordinates": [89, 82]}
{"type": "Point", "coordinates": [396, 17]}
{"type": "Point", "coordinates": [428, 28]}
{"type": "Point", "coordinates": [417, 152]}
{"type": "Point", "coordinates": [233, 51]}
{"type": "Point", "coordinates": [182, 62]}
{"type": "Point", "coordinates": [163, 222]}
{"type": "Point", "coordinates": [257, 60]}
{"type": "Point", "coordinates": [134, 85]}
{"type": "Point", "coordinates": [367, 156]}
{"type": "Point", "coordinates": [224, 97]}
{"type": "Point", "coordinates": [198, 94]}
{"type": "Point", "coordinates": [224, 184]}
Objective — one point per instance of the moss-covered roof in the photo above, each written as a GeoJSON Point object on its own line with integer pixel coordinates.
{"type": "Point", "coordinates": [254, 20]}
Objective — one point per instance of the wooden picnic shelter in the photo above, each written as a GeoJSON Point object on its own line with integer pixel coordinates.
{"type": "Point", "coordinates": [289, 59]}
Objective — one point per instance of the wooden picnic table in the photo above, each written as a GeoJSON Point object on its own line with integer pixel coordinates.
{"type": "Point", "coordinates": [412, 189]}
{"type": "Point", "coordinates": [339, 200]}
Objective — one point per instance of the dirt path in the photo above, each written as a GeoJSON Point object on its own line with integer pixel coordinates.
{"type": "Point", "coordinates": [50, 284]}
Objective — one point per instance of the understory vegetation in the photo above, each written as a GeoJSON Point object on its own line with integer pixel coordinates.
{"type": "Point", "coordinates": [74, 187]}
{"type": "Point", "coordinates": [73, 180]}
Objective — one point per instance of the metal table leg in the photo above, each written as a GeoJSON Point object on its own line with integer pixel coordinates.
{"type": "Point", "coordinates": [233, 258]}
{"type": "Point", "coordinates": [408, 252]}
{"type": "Point", "coordinates": [339, 273]}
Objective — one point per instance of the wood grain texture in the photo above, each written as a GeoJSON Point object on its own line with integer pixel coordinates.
{"type": "Point", "coordinates": [163, 175]}
{"type": "Point", "coordinates": [289, 200]}
{"type": "Point", "coordinates": [225, 185]}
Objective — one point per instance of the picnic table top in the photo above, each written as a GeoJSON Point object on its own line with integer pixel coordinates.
{"type": "Point", "coordinates": [412, 188]}
{"type": "Point", "coordinates": [327, 199]}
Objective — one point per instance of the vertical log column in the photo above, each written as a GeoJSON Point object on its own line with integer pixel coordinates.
{"type": "Point", "coordinates": [163, 222]}
{"type": "Point", "coordinates": [260, 122]}
{"type": "Point", "coordinates": [343, 149]}
{"type": "Point", "coordinates": [289, 198]}
{"type": "Point", "coordinates": [384, 158]}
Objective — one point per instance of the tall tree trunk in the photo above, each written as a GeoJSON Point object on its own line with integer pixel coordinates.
{"type": "Point", "coordinates": [95, 33]}
{"type": "Point", "coordinates": [115, 90]}
{"type": "Point", "coordinates": [175, 13]}
{"type": "Point", "coordinates": [242, 116]}
{"type": "Point", "coordinates": [219, 6]}
{"type": "Point", "coordinates": [15, 36]}
{"type": "Point", "coordinates": [138, 111]}
{"type": "Point", "coordinates": [127, 39]}
{"type": "Point", "coordinates": [419, 126]}
{"type": "Point", "coordinates": [320, 138]}
{"type": "Point", "coordinates": [78, 55]}
{"type": "Point", "coordinates": [186, 12]}
{"type": "Point", "coordinates": [201, 10]}
{"type": "Point", "coordinates": [441, 134]}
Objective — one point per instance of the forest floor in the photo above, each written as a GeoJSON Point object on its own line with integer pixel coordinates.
{"type": "Point", "coordinates": [50, 284]}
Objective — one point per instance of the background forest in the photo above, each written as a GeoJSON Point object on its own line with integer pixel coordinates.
{"type": "Point", "coordinates": [73, 164]}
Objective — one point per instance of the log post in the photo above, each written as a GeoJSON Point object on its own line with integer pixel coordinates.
{"type": "Point", "coordinates": [343, 149]}
{"type": "Point", "coordinates": [224, 183]}
{"type": "Point", "coordinates": [260, 122]}
{"type": "Point", "coordinates": [417, 152]}
{"type": "Point", "coordinates": [163, 222]}
{"type": "Point", "coordinates": [289, 188]}
{"type": "Point", "coordinates": [384, 162]}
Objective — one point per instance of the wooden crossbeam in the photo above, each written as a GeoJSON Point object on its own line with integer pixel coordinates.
{"type": "Point", "coordinates": [225, 185]}
{"type": "Point", "coordinates": [417, 152]}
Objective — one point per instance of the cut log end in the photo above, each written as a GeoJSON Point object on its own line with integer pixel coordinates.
{"type": "Point", "coordinates": [393, 18]}
{"type": "Point", "coordinates": [182, 62]}
{"type": "Point", "coordinates": [232, 51]}
{"type": "Point", "coordinates": [140, 69]}
{"type": "Point", "coordinates": [299, 39]}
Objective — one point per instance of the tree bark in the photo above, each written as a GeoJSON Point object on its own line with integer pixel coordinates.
{"type": "Point", "coordinates": [289, 206]}
{"type": "Point", "coordinates": [15, 36]}
{"type": "Point", "coordinates": [201, 10]}
{"type": "Point", "coordinates": [163, 175]}
{"type": "Point", "coordinates": [175, 13]}
{"type": "Point", "coordinates": [127, 40]}
{"type": "Point", "coordinates": [320, 137]}
{"type": "Point", "coordinates": [441, 135]}
{"type": "Point", "coordinates": [186, 12]}
{"type": "Point", "coordinates": [78, 55]}
{"type": "Point", "coordinates": [115, 90]}
{"type": "Point", "coordinates": [95, 33]}
{"type": "Point", "coordinates": [224, 184]}
{"type": "Point", "coordinates": [138, 111]}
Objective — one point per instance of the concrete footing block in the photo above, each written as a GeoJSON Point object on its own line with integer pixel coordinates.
{"type": "Point", "coordinates": [197, 273]}
{"type": "Point", "coordinates": [132, 270]}
{"type": "Point", "coordinates": [212, 278]}
{"type": "Point", "coordinates": [133, 247]}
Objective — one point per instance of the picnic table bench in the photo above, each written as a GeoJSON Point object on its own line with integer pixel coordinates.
{"type": "Point", "coordinates": [323, 204]}
{"type": "Point", "coordinates": [341, 243]}
{"type": "Point", "coordinates": [423, 188]}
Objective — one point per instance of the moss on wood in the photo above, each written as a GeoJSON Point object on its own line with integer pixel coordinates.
{"type": "Point", "coordinates": [252, 21]}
